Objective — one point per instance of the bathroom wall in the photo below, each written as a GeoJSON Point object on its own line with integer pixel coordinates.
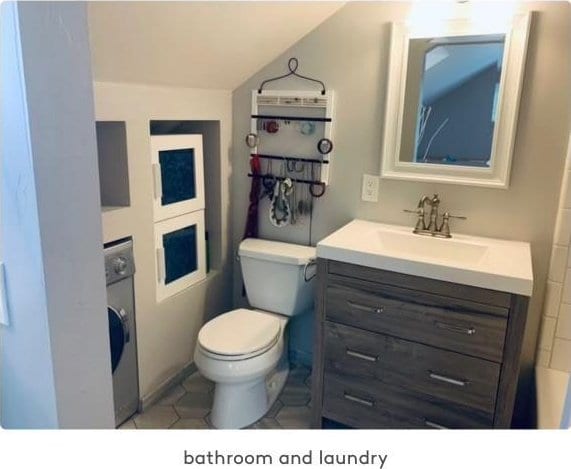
{"type": "Point", "coordinates": [56, 369]}
{"type": "Point", "coordinates": [350, 53]}
{"type": "Point", "coordinates": [554, 347]}
{"type": "Point", "coordinates": [20, 406]}
{"type": "Point", "coordinates": [167, 331]}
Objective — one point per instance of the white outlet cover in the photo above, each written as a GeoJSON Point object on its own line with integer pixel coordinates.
{"type": "Point", "coordinates": [370, 190]}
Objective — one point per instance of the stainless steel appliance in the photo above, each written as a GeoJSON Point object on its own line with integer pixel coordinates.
{"type": "Point", "coordinates": [119, 272]}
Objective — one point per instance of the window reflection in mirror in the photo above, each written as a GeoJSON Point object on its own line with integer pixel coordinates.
{"type": "Point", "coordinates": [451, 100]}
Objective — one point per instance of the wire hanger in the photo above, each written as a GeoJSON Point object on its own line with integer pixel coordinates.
{"type": "Point", "coordinates": [292, 65]}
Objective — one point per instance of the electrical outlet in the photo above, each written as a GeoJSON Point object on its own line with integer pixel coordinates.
{"type": "Point", "coordinates": [370, 191]}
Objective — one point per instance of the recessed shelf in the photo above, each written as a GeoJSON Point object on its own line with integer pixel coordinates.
{"type": "Point", "coordinates": [113, 164]}
{"type": "Point", "coordinates": [111, 208]}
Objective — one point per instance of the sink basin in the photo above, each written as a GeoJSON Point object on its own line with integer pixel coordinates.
{"type": "Point", "coordinates": [489, 263]}
{"type": "Point", "coordinates": [412, 246]}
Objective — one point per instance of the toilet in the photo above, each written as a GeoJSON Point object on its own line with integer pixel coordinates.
{"type": "Point", "coordinates": [245, 351]}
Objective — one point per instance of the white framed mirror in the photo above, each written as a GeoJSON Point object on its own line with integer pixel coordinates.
{"type": "Point", "coordinates": [452, 101]}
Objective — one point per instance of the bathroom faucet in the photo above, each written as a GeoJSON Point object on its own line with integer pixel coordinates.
{"type": "Point", "coordinates": [432, 228]}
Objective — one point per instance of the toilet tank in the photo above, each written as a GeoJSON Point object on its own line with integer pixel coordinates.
{"type": "Point", "coordinates": [279, 277]}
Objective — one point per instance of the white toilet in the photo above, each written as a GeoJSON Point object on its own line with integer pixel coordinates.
{"type": "Point", "coordinates": [245, 351]}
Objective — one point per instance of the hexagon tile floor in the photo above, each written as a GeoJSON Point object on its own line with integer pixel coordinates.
{"type": "Point", "coordinates": [187, 406]}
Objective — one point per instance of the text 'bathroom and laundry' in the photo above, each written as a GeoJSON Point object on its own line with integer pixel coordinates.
{"type": "Point", "coordinates": [309, 458]}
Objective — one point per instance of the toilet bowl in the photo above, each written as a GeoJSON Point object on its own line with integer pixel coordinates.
{"type": "Point", "coordinates": [244, 351]}
{"type": "Point", "coordinates": [245, 369]}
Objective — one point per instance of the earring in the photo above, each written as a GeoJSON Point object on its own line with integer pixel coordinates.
{"type": "Point", "coordinates": [271, 127]}
{"type": "Point", "coordinates": [307, 128]}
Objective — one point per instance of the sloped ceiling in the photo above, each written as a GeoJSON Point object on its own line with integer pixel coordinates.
{"type": "Point", "coordinates": [215, 45]}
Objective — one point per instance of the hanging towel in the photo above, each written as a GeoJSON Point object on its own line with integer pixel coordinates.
{"type": "Point", "coordinates": [251, 230]}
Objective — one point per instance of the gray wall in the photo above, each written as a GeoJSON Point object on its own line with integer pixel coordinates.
{"type": "Point", "coordinates": [350, 53]}
{"type": "Point", "coordinates": [25, 346]}
{"type": "Point", "coordinates": [56, 365]}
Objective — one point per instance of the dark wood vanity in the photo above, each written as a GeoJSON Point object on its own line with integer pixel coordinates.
{"type": "Point", "coordinates": [400, 351]}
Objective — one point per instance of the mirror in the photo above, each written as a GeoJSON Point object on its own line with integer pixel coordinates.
{"type": "Point", "coordinates": [452, 103]}
{"type": "Point", "coordinates": [451, 100]}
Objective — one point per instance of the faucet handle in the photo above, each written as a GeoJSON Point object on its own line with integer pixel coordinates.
{"type": "Point", "coordinates": [420, 225]}
{"type": "Point", "coordinates": [445, 227]}
{"type": "Point", "coordinates": [457, 217]}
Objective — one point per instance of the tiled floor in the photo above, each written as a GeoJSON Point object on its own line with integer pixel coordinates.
{"type": "Point", "coordinates": [188, 406]}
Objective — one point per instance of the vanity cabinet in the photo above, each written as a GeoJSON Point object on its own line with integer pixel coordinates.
{"type": "Point", "coordinates": [400, 351]}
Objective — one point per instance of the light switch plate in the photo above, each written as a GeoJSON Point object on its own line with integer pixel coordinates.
{"type": "Point", "coordinates": [4, 318]}
{"type": "Point", "coordinates": [370, 191]}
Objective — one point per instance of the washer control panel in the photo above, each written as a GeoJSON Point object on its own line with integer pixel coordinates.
{"type": "Point", "coordinates": [119, 261]}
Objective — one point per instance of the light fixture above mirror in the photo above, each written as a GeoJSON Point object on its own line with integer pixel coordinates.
{"type": "Point", "coordinates": [452, 100]}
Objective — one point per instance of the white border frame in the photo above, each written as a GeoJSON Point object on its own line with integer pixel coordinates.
{"type": "Point", "coordinates": [173, 142]}
{"type": "Point", "coordinates": [497, 175]}
{"type": "Point", "coordinates": [164, 291]}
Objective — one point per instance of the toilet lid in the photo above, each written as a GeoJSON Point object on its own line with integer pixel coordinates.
{"type": "Point", "coordinates": [239, 332]}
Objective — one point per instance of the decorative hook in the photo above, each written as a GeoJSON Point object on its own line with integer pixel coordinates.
{"type": "Point", "coordinates": [292, 64]}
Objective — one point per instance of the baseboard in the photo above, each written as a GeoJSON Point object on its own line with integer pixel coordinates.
{"type": "Point", "coordinates": [156, 395]}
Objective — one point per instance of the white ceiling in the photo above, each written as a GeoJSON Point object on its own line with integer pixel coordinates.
{"type": "Point", "coordinates": [215, 45]}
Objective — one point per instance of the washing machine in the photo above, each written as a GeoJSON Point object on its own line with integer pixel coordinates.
{"type": "Point", "coordinates": [119, 273]}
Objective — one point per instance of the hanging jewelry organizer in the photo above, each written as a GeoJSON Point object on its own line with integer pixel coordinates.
{"type": "Point", "coordinates": [290, 147]}
{"type": "Point", "coordinates": [307, 113]}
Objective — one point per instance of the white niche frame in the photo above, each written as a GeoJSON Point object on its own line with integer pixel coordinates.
{"type": "Point", "coordinates": [165, 227]}
{"type": "Point", "coordinates": [160, 143]}
{"type": "Point", "coordinates": [515, 49]}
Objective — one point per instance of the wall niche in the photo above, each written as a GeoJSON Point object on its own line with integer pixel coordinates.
{"type": "Point", "coordinates": [113, 164]}
{"type": "Point", "coordinates": [210, 131]}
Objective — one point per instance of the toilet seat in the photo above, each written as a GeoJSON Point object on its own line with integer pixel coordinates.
{"type": "Point", "coordinates": [239, 334]}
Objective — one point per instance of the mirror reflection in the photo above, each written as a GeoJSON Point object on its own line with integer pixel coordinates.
{"type": "Point", "coordinates": [451, 100]}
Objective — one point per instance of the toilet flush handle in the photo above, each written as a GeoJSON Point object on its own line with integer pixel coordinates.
{"type": "Point", "coordinates": [311, 263]}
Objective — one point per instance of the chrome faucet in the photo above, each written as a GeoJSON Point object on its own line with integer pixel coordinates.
{"type": "Point", "coordinates": [433, 227]}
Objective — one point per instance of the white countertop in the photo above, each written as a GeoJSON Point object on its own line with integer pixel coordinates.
{"type": "Point", "coordinates": [489, 263]}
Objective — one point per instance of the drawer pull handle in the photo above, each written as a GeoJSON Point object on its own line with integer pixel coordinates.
{"type": "Point", "coordinates": [454, 328]}
{"type": "Point", "coordinates": [362, 356]}
{"type": "Point", "coordinates": [430, 424]}
{"type": "Point", "coordinates": [359, 400]}
{"type": "Point", "coordinates": [369, 309]}
{"type": "Point", "coordinates": [446, 379]}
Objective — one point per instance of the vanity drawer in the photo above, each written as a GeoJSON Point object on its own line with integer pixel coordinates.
{"type": "Point", "coordinates": [365, 403]}
{"type": "Point", "coordinates": [446, 323]}
{"type": "Point", "coordinates": [425, 370]}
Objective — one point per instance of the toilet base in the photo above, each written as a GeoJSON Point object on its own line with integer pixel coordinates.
{"type": "Point", "coordinates": [237, 405]}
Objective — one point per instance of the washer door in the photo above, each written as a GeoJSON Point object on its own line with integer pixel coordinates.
{"type": "Point", "coordinates": [118, 334]}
